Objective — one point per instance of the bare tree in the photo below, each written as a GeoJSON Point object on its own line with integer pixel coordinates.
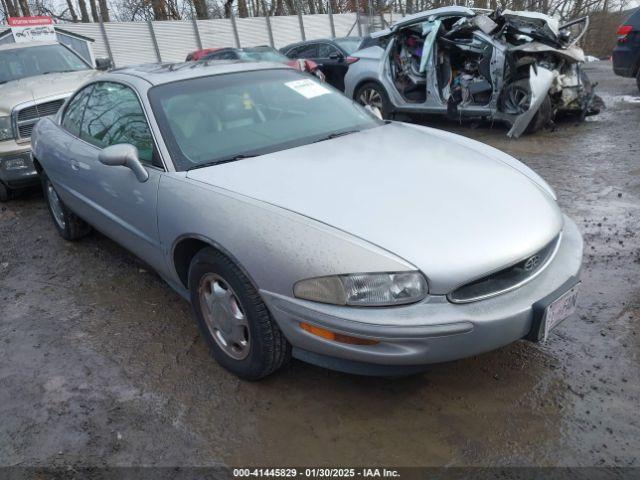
{"type": "Point", "coordinates": [200, 7]}
{"type": "Point", "coordinates": [24, 6]}
{"type": "Point", "coordinates": [10, 8]}
{"type": "Point", "coordinates": [228, 8]}
{"type": "Point", "coordinates": [94, 11]}
{"type": "Point", "coordinates": [72, 11]}
{"type": "Point", "coordinates": [104, 10]}
{"type": "Point", "coordinates": [159, 8]}
{"type": "Point", "coordinates": [84, 15]}
{"type": "Point", "coordinates": [242, 8]}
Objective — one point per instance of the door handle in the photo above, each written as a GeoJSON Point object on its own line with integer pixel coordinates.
{"type": "Point", "coordinates": [75, 165]}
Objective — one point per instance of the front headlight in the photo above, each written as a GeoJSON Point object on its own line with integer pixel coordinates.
{"type": "Point", "coordinates": [364, 289]}
{"type": "Point", "coordinates": [6, 130]}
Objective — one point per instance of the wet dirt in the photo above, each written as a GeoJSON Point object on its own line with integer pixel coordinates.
{"type": "Point", "coordinates": [101, 363]}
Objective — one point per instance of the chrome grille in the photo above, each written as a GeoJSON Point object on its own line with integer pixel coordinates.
{"type": "Point", "coordinates": [27, 117]}
{"type": "Point", "coordinates": [508, 278]}
{"type": "Point", "coordinates": [24, 131]}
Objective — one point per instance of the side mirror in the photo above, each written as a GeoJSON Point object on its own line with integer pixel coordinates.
{"type": "Point", "coordinates": [103, 64]}
{"type": "Point", "coordinates": [124, 155]}
{"type": "Point", "coordinates": [336, 56]}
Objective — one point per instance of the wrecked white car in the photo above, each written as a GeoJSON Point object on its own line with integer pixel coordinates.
{"type": "Point", "coordinates": [521, 68]}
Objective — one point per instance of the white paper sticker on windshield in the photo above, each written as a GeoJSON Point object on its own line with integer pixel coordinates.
{"type": "Point", "coordinates": [308, 88]}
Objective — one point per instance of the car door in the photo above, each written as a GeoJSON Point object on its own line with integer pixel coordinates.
{"type": "Point", "coordinates": [61, 168]}
{"type": "Point", "coordinates": [332, 62]}
{"type": "Point", "coordinates": [116, 203]}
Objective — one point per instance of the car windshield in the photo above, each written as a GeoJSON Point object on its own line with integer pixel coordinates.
{"type": "Point", "coordinates": [221, 118]}
{"type": "Point", "coordinates": [349, 45]}
{"type": "Point", "coordinates": [18, 63]}
{"type": "Point", "coordinates": [263, 55]}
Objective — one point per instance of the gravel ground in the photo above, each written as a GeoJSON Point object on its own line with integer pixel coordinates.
{"type": "Point", "coordinates": [101, 363]}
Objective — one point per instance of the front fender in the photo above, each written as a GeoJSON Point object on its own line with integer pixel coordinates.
{"type": "Point", "coordinates": [274, 246]}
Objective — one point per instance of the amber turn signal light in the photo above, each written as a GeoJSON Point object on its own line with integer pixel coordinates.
{"type": "Point", "coordinates": [336, 337]}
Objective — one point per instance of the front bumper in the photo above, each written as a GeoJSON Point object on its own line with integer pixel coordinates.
{"type": "Point", "coordinates": [431, 331]}
{"type": "Point", "coordinates": [16, 166]}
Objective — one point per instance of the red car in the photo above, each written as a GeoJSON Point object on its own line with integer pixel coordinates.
{"type": "Point", "coordinates": [255, 54]}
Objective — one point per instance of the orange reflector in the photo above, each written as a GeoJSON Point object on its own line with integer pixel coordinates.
{"type": "Point", "coordinates": [336, 337]}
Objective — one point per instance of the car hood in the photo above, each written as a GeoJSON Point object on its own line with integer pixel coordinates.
{"type": "Point", "coordinates": [41, 86]}
{"type": "Point", "coordinates": [454, 208]}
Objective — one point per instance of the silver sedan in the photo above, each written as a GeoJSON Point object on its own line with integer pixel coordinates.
{"type": "Point", "coordinates": [299, 224]}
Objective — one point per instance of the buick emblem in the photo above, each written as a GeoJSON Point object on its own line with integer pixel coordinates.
{"type": "Point", "coordinates": [532, 262]}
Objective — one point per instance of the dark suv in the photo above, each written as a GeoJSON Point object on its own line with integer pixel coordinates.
{"type": "Point", "coordinates": [626, 54]}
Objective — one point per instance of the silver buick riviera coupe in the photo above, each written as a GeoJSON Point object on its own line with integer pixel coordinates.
{"type": "Point", "coordinates": [298, 223]}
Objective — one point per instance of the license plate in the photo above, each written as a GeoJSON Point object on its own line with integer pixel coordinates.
{"type": "Point", "coordinates": [559, 309]}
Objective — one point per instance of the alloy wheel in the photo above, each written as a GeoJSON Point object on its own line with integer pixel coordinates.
{"type": "Point", "coordinates": [517, 100]}
{"type": "Point", "coordinates": [370, 96]}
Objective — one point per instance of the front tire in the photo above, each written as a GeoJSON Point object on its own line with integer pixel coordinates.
{"type": "Point", "coordinates": [374, 95]}
{"type": "Point", "coordinates": [235, 322]}
{"type": "Point", "coordinates": [516, 100]}
{"type": "Point", "coordinates": [68, 224]}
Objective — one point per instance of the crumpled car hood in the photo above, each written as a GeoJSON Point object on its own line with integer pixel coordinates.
{"type": "Point", "coordinates": [574, 54]}
{"type": "Point", "coordinates": [41, 86]}
{"type": "Point", "coordinates": [454, 208]}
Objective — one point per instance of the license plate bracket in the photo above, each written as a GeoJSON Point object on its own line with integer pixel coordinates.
{"type": "Point", "coordinates": [549, 314]}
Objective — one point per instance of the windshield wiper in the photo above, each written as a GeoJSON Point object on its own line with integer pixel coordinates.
{"type": "Point", "coordinates": [336, 135]}
{"type": "Point", "coordinates": [58, 71]}
{"type": "Point", "coordinates": [240, 156]}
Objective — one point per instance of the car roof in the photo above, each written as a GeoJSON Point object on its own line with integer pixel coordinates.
{"type": "Point", "coordinates": [307, 42]}
{"type": "Point", "coordinates": [160, 73]}
{"type": "Point", "coordinates": [12, 46]}
{"type": "Point", "coordinates": [423, 16]}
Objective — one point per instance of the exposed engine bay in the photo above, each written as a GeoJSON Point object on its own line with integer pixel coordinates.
{"type": "Point", "coordinates": [493, 61]}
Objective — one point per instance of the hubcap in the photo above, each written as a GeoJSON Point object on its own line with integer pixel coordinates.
{"type": "Point", "coordinates": [56, 206]}
{"type": "Point", "coordinates": [224, 316]}
{"type": "Point", "coordinates": [370, 96]}
{"type": "Point", "coordinates": [517, 100]}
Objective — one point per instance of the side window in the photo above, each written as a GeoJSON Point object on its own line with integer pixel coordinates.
{"type": "Point", "coordinates": [114, 115]}
{"type": "Point", "coordinates": [304, 51]}
{"type": "Point", "coordinates": [228, 55]}
{"type": "Point", "coordinates": [325, 50]}
{"type": "Point", "coordinates": [73, 114]}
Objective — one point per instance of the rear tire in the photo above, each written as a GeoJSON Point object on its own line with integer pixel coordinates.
{"type": "Point", "coordinates": [235, 322]}
{"type": "Point", "coordinates": [5, 193]}
{"type": "Point", "coordinates": [68, 224]}
{"type": "Point", "coordinates": [373, 94]}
